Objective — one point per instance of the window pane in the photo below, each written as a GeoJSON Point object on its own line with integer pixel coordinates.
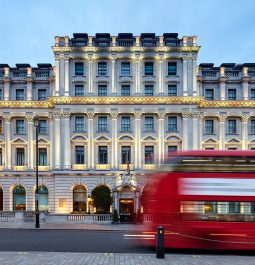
{"type": "Point", "coordinates": [20, 127]}
{"type": "Point", "coordinates": [125, 154]}
{"type": "Point", "coordinates": [102, 90]}
{"type": "Point", "coordinates": [42, 157]}
{"type": "Point", "coordinates": [149, 154]}
{"type": "Point", "coordinates": [125, 90]}
{"type": "Point", "coordinates": [171, 149]}
{"type": "Point", "coordinates": [149, 123]}
{"type": "Point", "coordinates": [208, 126]}
{"type": "Point", "coordinates": [232, 94]}
{"type": "Point", "coordinates": [148, 90]}
{"type": "Point", "coordinates": [234, 207]}
{"type": "Point", "coordinates": [231, 126]}
{"type": "Point", "coordinates": [20, 157]}
{"type": "Point", "coordinates": [102, 68]}
{"type": "Point", "coordinates": [79, 69]}
{"type": "Point", "coordinates": [252, 94]}
{"type": "Point", "coordinates": [172, 90]}
{"type": "Point", "coordinates": [42, 94]}
{"type": "Point", "coordinates": [102, 124]}
{"type": "Point", "coordinates": [171, 70]}
{"type": "Point", "coordinates": [20, 94]}
{"type": "Point", "coordinates": [125, 124]}
{"type": "Point", "coordinates": [102, 151]}
{"type": "Point", "coordinates": [79, 123]}
{"type": "Point", "coordinates": [79, 154]}
{"type": "Point", "coordinates": [148, 68]}
{"type": "Point", "coordinates": [42, 127]}
{"type": "Point", "coordinates": [252, 128]}
{"type": "Point", "coordinates": [125, 68]}
{"type": "Point", "coordinates": [79, 90]}
{"type": "Point", "coordinates": [209, 94]}
{"type": "Point", "coordinates": [172, 124]}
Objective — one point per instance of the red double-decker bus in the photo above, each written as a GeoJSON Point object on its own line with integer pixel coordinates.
{"type": "Point", "coordinates": [205, 199]}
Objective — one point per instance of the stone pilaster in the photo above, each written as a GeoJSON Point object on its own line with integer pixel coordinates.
{"type": "Point", "coordinates": [66, 140]}
{"type": "Point", "coordinates": [57, 75]}
{"type": "Point", "coordinates": [67, 74]}
{"type": "Point", "coordinates": [201, 129]}
{"type": "Point", "coordinates": [30, 146]}
{"type": "Point", "coordinates": [51, 131]}
{"type": "Point", "coordinates": [185, 75]}
{"type": "Point", "coordinates": [245, 120]}
{"type": "Point", "coordinates": [137, 74]}
{"type": "Point", "coordinates": [161, 74]}
{"type": "Point", "coordinates": [114, 90]}
{"type": "Point", "coordinates": [114, 116]}
{"type": "Point", "coordinates": [91, 151]}
{"type": "Point", "coordinates": [195, 130]}
{"type": "Point", "coordinates": [185, 124]}
{"type": "Point", "coordinates": [7, 134]}
{"type": "Point", "coordinates": [138, 146]}
{"type": "Point", "coordinates": [90, 74]}
{"type": "Point", "coordinates": [222, 129]}
{"type": "Point", "coordinates": [57, 143]}
{"type": "Point", "coordinates": [161, 136]}
{"type": "Point", "coordinates": [194, 76]}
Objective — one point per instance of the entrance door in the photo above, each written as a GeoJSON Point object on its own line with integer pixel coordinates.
{"type": "Point", "coordinates": [126, 210]}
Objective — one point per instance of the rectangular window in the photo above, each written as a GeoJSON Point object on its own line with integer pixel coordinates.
{"type": "Point", "coordinates": [149, 124]}
{"type": "Point", "coordinates": [102, 68]}
{"type": "Point", "coordinates": [79, 68]}
{"type": "Point", "coordinates": [125, 90]}
{"type": "Point", "coordinates": [125, 154]}
{"type": "Point", "coordinates": [252, 94]}
{"type": "Point", "coordinates": [79, 90]}
{"type": "Point", "coordinates": [79, 154]}
{"type": "Point", "coordinates": [172, 68]}
{"type": "Point", "coordinates": [1, 126]}
{"type": "Point", "coordinates": [252, 126]}
{"type": "Point", "coordinates": [125, 124]}
{"type": "Point", "coordinates": [20, 126]}
{"type": "Point", "coordinates": [231, 126]}
{"type": "Point", "coordinates": [20, 94]}
{"type": "Point", "coordinates": [208, 126]}
{"type": "Point", "coordinates": [1, 94]}
{"type": "Point", "coordinates": [172, 90]}
{"type": "Point", "coordinates": [20, 156]}
{"type": "Point", "coordinates": [149, 154]}
{"type": "Point", "coordinates": [209, 94]}
{"type": "Point", "coordinates": [171, 149]}
{"type": "Point", "coordinates": [232, 94]}
{"type": "Point", "coordinates": [148, 90]}
{"type": "Point", "coordinates": [102, 153]}
{"type": "Point", "coordinates": [172, 124]}
{"type": "Point", "coordinates": [79, 124]}
{"type": "Point", "coordinates": [102, 90]}
{"type": "Point", "coordinates": [125, 69]}
{"type": "Point", "coordinates": [42, 127]}
{"type": "Point", "coordinates": [148, 68]}
{"type": "Point", "coordinates": [42, 94]}
{"type": "Point", "coordinates": [234, 207]}
{"type": "Point", "coordinates": [1, 156]}
{"type": "Point", "coordinates": [102, 124]}
{"type": "Point", "coordinates": [42, 156]}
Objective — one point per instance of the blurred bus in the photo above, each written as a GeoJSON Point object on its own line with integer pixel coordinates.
{"type": "Point", "coordinates": [205, 199]}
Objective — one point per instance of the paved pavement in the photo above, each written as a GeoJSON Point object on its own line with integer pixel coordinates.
{"type": "Point", "coordinates": [60, 258]}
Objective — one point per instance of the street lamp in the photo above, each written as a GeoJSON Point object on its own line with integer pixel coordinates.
{"type": "Point", "coordinates": [37, 220]}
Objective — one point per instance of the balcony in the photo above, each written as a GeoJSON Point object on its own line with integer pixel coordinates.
{"type": "Point", "coordinates": [44, 74]}
{"type": "Point", "coordinates": [43, 168]}
{"type": "Point", "coordinates": [79, 167]}
{"type": "Point", "coordinates": [124, 166]}
{"type": "Point", "coordinates": [19, 168]}
{"type": "Point", "coordinates": [232, 74]}
{"type": "Point", "coordinates": [149, 166]}
{"type": "Point", "coordinates": [210, 74]}
{"type": "Point", "coordinates": [172, 43]}
{"type": "Point", "coordinates": [102, 166]}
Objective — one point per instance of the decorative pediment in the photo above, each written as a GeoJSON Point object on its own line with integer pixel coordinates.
{"type": "Point", "coordinates": [149, 138]}
{"type": "Point", "coordinates": [126, 138]}
{"type": "Point", "coordinates": [42, 141]}
{"type": "Point", "coordinates": [18, 141]}
{"type": "Point", "coordinates": [233, 140]}
{"type": "Point", "coordinates": [102, 138]}
{"type": "Point", "coordinates": [210, 141]}
{"type": "Point", "coordinates": [78, 138]}
{"type": "Point", "coordinates": [252, 141]}
{"type": "Point", "coordinates": [173, 138]}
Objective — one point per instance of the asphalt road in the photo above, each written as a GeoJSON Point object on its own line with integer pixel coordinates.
{"type": "Point", "coordinates": [69, 241]}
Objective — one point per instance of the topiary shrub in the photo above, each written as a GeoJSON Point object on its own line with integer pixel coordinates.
{"type": "Point", "coordinates": [102, 198]}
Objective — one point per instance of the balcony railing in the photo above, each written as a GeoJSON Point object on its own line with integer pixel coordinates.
{"type": "Point", "coordinates": [102, 43]}
{"type": "Point", "coordinates": [19, 168]}
{"type": "Point", "coordinates": [124, 166]}
{"type": "Point", "coordinates": [79, 167]}
{"type": "Point", "coordinates": [173, 43]}
{"type": "Point", "coordinates": [209, 73]}
{"type": "Point", "coordinates": [19, 74]}
{"type": "Point", "coordinates": [232, 73]}
{"type": "Point", "coordinates": [251, 73]}
{"type": "Point", "coordinates": [42, 74]}
{"type": "Point", "coordinates": [125, 43]}
{"type": "Point", "coordinates": [149, 43]}
{"type": "Point", "coordinates": [103, 166]}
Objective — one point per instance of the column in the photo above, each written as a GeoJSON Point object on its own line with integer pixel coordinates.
{"type": "Point", "coordinates": [195, 131]}
{"type": "Point", "coordinates": [194, 76]}
{"type": "Point", "coordinates": [245, 85]}
{"type": "Point", "coordinates": [201, 122]}
{"type": "Point", "coordinates": [138, 146]}
{"type": "Point", "coordinates": [185, 76]}
{"type": "Point", "coordinates": [114, 90]}
{"type": "Point", "coordinates": [161, 136]}
{"type": "Point", "coordinates": [137, 74]}
{"type": "Point", "coordinates": [137, 196]}
{"type": "Point", "coordinates": [185, 130]}
{"type": "Point", "coordinates": [30, 140]}
{"type": "Point", "coordinates": [245, 120]}
{"type": "Point", "coordinates": [51, 131]}
{"type": "Point", "coordinates": [7, 134]}
{"type": "Point", "coordinates": [116, 206]}
{"type": "Point", "coordinates": [90, 74]}
{"type": "Point", "coordinates": [222, 119]}
{"type": "Point", "coordinates": [6, 83]}
{"type": "Point", "coordinates": [57, 143]}
{"type": "Point", "coordinates": [114, 116]}
{"type": "Point", "coordinates": [91, 151]}
{"type": "Point", "coordinates": [222, 90]}
{"type": "Point", "coordinates": [161, 74]}
{"type": "Point", "coordinates": [57, 75]}
{"type": "Point", "coordinates": [66, 76]}
{"type": "Point", "coordinates": [29, 84]}
{"type": "Point", "coordinates": [66, 140]}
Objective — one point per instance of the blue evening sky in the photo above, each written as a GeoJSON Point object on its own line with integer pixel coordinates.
{"type": "Point", "coordinates": [225, 28]}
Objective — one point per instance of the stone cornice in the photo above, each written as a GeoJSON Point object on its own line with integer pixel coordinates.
{"type": "Point", "coordinates": [94, 100]}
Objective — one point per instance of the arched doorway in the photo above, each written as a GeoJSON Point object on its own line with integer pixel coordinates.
{"type": "Point", "coordinates": [1, 199]}
{"type": "Point", "coordinates": [79, 199]}
{"type": "Point", "coordinates": [102, 198]}
{"type": "Point", "coordinates": [43, 198]}
{"type": "Point", "coordinates": [19, 198]}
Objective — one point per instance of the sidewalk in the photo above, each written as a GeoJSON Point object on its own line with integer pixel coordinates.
{"type": "Point", "coordinates": [63, 258]}
{"type": "Point", "coordinates": [105, 227]}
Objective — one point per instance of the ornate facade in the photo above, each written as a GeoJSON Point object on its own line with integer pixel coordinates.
{"type": "Point", "coordinates": [109, 101]}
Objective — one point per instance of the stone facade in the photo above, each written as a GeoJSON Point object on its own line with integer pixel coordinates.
{"type": "Point", "coordinates": [109, 100]}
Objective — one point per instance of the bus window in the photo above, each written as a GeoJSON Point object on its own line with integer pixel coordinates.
{"type": "Point", "coordinates": [234, 207]}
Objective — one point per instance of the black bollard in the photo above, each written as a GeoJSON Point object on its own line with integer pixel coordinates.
{"type": "Point", "coordinates": [160, 248]}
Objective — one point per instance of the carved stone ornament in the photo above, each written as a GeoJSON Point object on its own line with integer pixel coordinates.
{"type": "Point", "coordinates": [138, 114]}
{"type": "Point", "coordinates": [30, 118]}
{"type": "Point", "coordinates": [246, 117]}
{"type": "Point", "coordinates": [161, 114]}
{"type": "Point", "coordinates": [201, 117]}
{"type": "Point", "coordinates": [90, 58]}
{"type": "Point", "coordinates": [66, 57]}
{"type": "Point", "coordinates": [137, 57]}
{"type": "Point", "coordinates": [222, 117]}
{"type": "Point", "coordinates": [114, 115]}
{"type": "Point", "coordinates": [7, 117]}
{"type": "Point", "coordinates": [57, 114]}
{"type": "Point", "coordinates": [161, 57]}
{"type": "Point", "coordinates": [91, 115]}
{"type": "Point", "coordinates": [66, 114]}
{"type": "Point", "coordinates": [185, 114]}
{"type": "Point", "coordinates": [51, 116]}
{"type": "Point", "coordinates": [195, 115]}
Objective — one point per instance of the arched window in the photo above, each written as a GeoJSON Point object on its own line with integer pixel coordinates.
{"type": "Point", "coordinates": [79, 199]}
{"type": "Point", "coordinates": [19, 198]}
{"type": "Point", "coordinates": [1, 199]}
{"type": "Point", "coordinates": [43, 198]}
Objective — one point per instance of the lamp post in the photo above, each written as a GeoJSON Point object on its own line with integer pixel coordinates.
{"type": "Point", "coordinates": [37, 220]}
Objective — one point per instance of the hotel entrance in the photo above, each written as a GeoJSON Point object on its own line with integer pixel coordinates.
{"type": "Point", "coordinates": [126, 207]}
